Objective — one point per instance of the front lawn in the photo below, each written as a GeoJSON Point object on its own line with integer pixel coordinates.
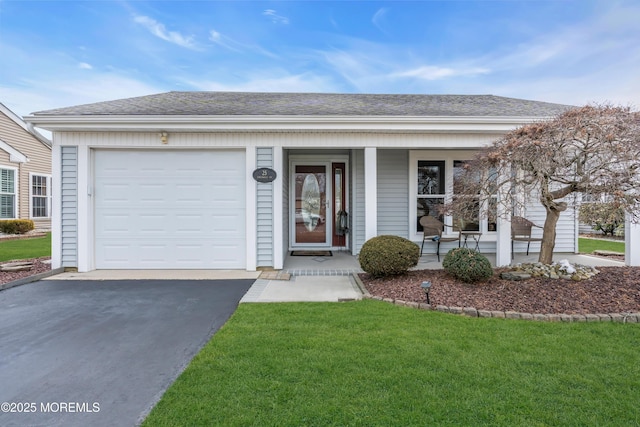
{"type": "Point", "coordinates": [587, 246]}
{"type": "Point", "coordinates": [369, 363]}
{"type": "Point", "coordinates": [37, 247]}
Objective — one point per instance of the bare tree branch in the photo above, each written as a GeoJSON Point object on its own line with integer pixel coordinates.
{"type": "Point", "coordinates": [593, 150]}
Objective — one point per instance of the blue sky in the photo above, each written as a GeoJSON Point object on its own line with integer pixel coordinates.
{"type": "Point", "coordinates": [62, 53]}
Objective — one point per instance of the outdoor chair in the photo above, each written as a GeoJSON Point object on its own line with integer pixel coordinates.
{"type": "Point", "coordinates": [432, 231]}
{"type": "Point", "coordinates": [521, 232]}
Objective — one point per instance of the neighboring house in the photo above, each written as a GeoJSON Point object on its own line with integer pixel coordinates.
{"type": "Point", "coordinates": [25, 171]}
{"type": "Point", "coordinates": [167, 180]}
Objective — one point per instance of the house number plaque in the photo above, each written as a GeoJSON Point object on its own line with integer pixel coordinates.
{"type": "Point", "coordinates": [264, 175]}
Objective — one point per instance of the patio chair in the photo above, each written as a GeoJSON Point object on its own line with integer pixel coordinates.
{"type": "Point", "coordinates": [432, 231]}
{"type": "Point", "coordinates": [521, 232]}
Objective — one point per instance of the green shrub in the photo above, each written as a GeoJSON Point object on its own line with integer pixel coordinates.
{"type": "Point", "coordinates": [16, 226]}
{"type": "Point", "coordinates": [388, 255]}
{"type": "Point", "coordinates": [467, 265]}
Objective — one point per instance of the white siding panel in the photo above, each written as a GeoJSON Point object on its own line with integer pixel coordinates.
{"type": "Point", "coordinates": [303, 139]}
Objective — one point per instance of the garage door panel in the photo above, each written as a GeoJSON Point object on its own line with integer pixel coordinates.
{"type": "Point", "coordinates": [115, 193]}
{"type": "Point", "coordinates": [149, 193]}
{"type": "Point", "coordinates": [170, 196]}
{"type": "Point", "coordinates": [150, 225]}
{"type": "Point", "coordinates": [179, 209]}
{"type": "Point", "coordinates": [175, 224]}
{"type": "Point", "coordinates": [115, 224]}
{"type": "Point", "coordinates": [114, 252]}
{"type": "Point", "coordinates": [153, 254]}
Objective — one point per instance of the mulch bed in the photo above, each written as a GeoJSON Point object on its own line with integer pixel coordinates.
{"type": "Point", "coordinates": [613, 290]}
{"type": "Point", "coordinates": [38, 267]}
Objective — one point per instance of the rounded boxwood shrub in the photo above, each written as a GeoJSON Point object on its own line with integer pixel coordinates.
{"type": "Point", "coordinates": [467, 265]}
{"type": "Point", "coordinates": [388, 255]}
{"type": "Point", "coordinates": [16, 226]}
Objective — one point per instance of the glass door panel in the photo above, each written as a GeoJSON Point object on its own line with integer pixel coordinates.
{"type": "Point", "coordinates": [311, 204]}
{"type": "Point", "coordinates": [340, 224]}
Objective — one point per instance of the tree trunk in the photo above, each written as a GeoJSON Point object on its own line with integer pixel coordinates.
{"type": "Point", "coordinates": [549, 234]}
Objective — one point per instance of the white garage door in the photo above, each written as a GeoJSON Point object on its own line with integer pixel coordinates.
{"type": "Point", "coordinates": [169, 209]}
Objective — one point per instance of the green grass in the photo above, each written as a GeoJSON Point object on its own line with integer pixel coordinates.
{"type": "Point", "coordinates": [370, 363]}
{"type": "Point", "coordinates": [587, 246]}
{"type": "Point", "coordinates": [25, 248]}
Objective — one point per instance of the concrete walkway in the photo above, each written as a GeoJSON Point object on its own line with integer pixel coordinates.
{"type": "Point", "coordinates": [304, 288]}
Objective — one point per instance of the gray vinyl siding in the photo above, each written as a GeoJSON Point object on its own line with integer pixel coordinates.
{"type": "Point", "coordinates": [264, 193]}
{"type": "Point", "coordinates": [359, 206]}
{"type": "Point", "coordinates": [393, 192]}
{"type": "Point", "coordinates": [69, 216]}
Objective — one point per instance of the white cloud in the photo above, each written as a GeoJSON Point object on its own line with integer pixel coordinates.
{"type": "Point", "coordinates": [378, 18]}
{"type": "Point", "coordinates": [235, 46]}
{"type": "Point", "coordinates": [159, 30]}
{"type": "Point", "coordinates": [275, 18]}
{"type": "Point", "coordinates": [223, 41]}
{"type": "Point", "coordinates": [361, 64]}
{"type": "Point", "coordinates": [85, 66]}
{"type": "Point", "coordinates": [430, 72]}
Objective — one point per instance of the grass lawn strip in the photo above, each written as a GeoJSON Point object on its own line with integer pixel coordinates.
{"type": "Point", "coordinates": [25, 248]}
{"type": "Point", "coordinates": [369, 363]}
{"type": "Point", "coordinates": [587, 246]}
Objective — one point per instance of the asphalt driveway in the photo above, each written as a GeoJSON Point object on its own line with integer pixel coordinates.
{"type": "Point", "coordinates": [101, 353]}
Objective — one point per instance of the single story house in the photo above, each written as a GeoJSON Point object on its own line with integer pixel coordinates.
{"type": "Point", "coordinates": [25, 171]}
{"type": "Point", "coordinates": [231, 180]}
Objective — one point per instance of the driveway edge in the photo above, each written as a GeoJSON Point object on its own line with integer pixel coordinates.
{"type": "Point", "coordinates": [31, 279]}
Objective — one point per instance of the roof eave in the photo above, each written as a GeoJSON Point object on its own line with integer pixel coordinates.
{"type": "Point", "coordinates": [24, 125]}
{"type": "Point", "coordinates": [141, 123]}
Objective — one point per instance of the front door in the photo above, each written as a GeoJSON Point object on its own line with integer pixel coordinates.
{"type": "Point", "coordinates": [311, 223]}
{"type": "Point", "coordinates": [318, 204]}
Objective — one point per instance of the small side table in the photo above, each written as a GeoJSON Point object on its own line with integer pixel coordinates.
{"type": "Point", "coordinates": [475, 235]}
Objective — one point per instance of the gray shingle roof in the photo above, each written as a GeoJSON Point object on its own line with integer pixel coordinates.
{"type": "Point", "coordinates": [313, 104]}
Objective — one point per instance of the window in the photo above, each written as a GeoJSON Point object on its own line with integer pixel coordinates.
{"type": "Point", "coordinates": [431, 189]}
{"type": "Point", "coordinates": [434, 176]}
{"type": "Point", "coordinates": [489, 207]}
{"type": "Point", "coordinates": [466, 225]}
{"type": "Point", "coordinates": [40, 196]}
{"type": "Point", "coordinates": [7, 193]}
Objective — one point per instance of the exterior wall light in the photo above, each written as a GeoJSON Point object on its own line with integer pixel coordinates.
{"type": "Point", "coordinates": [426, 287]}
{"type": "Point", "coordinates": [164, 137]}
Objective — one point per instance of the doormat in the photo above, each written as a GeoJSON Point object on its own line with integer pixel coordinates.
{"type": "Point", "coordinates": [311, 253]}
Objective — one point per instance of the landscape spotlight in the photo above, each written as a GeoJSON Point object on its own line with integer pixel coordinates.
{"type": "Point", "coordinates": [426, 287]}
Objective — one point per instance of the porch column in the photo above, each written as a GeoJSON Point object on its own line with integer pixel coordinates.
{"type": "Point", "coordinates": [631, 242]}
{"type": "Point", "coordinates": [370, 193]}
{"type": "Point", "coordinates": [503, 238]}
{"type": "Point", "coordinates": [278, 214]}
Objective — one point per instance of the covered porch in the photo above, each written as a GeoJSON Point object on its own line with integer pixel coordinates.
{"type": "Point", "coordinates": [344, 263]}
